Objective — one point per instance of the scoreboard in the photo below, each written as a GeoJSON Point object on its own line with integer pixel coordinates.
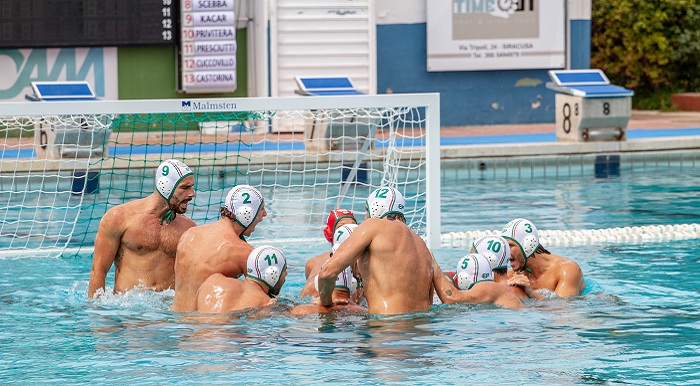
{"type": "Point", "coordinates": [204, 32]}
{"type": "Point", "coordinates": [87, 23]}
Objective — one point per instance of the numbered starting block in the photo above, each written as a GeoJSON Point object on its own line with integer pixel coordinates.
{"type": "Point", "coordinates": [338, 129]}
{"type": "Point", "coordinates": [58, 137]}
{"type": "Point", "coordinates": [588, 107]}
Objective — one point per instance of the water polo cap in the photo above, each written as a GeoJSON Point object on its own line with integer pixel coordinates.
{"type": "Point", "coordinates": [524, 234]}
{"type": "Point", "coordinates": [245, 202]}
{"type": "Point", "coordinates": [471, 269]}
{"type": "Point", "coordinates": [333, 218]}
{"type": "Point", "coordinates": [345, 281]}
{"type": "Point", "coordinates": [266, 264]}
{"type": "Point", "coordinates": [341, 234]}
{"type": "Point", "coordinates": [383, 201]}
{"type": "Point", "coordinates": [169, 175]}
{"type": "Point", "coordinates": [495, 249]}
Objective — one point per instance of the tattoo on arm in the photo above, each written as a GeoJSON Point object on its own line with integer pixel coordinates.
{"type": "Point", "coordinates": [448, 292]}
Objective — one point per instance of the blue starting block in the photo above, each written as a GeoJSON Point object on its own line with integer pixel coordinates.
{"type": "Point", "coordinates": [61, 137]}
{"type": "Point", "coordinates": [325, 86]}
{"type": "Point", "coordinates": [588, 107]}
{"type": "Point", "coordinates": [339, 129]}
{"type": "Point", "coordinates": [61, 91]}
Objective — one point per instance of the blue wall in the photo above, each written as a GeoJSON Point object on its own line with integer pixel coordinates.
{"type": "Point", "coordinates": [580, 44]}
{"type": "Point", "coordinates": [470, 97]}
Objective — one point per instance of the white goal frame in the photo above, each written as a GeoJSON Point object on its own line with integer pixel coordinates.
{"type": "Point", "coordinates": [429, 102]}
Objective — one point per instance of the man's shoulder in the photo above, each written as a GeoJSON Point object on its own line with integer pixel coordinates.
{"type": "Point", "coordinates": [565, 263]}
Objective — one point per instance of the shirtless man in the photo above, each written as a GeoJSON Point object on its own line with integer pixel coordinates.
{"type": "Point", "coordinates": [497, 251]}
{"type": "Point", "coordinates": [336, 218]}
{"type": "Point", "coordinates": [474, 279]}
{"type": "Point", "coordinates": [342, 301]}
{"type": "Point", "coordinates": [534, 267]}
{"type": "Point", "coordinates": [140, 237]}
{"type": "Point", "coordinates": [218, 247]}
{"type": "Point", "coordinates": [264, 277]}
{"type": "Point", "coordinates": [394, 263]}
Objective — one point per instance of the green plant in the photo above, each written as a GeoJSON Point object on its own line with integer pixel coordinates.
{"type": "Point", "coordinates": [651, 46]}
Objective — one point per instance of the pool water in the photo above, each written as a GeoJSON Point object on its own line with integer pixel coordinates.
{"type": "Point", "coordinates": [642, 327]}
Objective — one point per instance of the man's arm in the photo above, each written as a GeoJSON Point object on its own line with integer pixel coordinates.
{"type": "Point", "coordinates": [569, 280]}
{"type": "Point", "coordinates": [443, 286]}
{"type": "Point", "coordinates": [107, 243]}
{"type": "Point", "coordinates": [521, 281]}
{"type": "Point", "coordinates": [348, 252]}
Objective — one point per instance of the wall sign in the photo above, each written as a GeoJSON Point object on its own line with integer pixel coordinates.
{"type": "Point", "coordinates": [495, 34]}
{"type": "Point", "coordinates": [208, 46]}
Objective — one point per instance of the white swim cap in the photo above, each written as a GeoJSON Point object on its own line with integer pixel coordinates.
{"type": "Point", "coordinates": [383, 201]}
{"type": "Point", "coordinates": [266, 264]}
{"type": "Point", "coordinates": [345, 281]}
{"type": "Point", "coordinates": [245, 202]}
{"type": "Point", "coordinates": [471, 269]}
{"type": "Point", "coordinates": [341, 234]}
{"type": "Point", "coordinates": [168, 175]}
{"type": "Point", "coordinates": [524, 233]}
{"type": "Point", "coordinates": [495, 249]}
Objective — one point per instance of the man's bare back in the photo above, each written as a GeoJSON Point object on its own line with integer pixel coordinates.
{"type": "Point", "coordinates": [395, 264]}
{"type": "Point", "coordinates": [217, 247]}
{"type": "Point", "coordinates": [135, 238]}
{"type": "Point", "coordinates": [265, 275]}
{"type": "Point", "coordinates": [216, 295]}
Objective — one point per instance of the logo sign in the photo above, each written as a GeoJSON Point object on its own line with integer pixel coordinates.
{"type": "Point", "coordinates": [20, 67]}
{"type": "Point", "coordinates": [496, 34]}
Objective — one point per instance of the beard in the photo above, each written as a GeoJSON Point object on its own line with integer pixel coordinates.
{"type": "Point", "coordinates": [179, 208]}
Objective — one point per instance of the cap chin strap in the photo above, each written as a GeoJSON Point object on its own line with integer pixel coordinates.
{"type": "Point", "coordinates": [169, 215]}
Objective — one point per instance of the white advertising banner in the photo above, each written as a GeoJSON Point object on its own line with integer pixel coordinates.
{"type": "Point", "coordinates": [466, 35]}
{"type": "Point", "coordinates": [20, 67]}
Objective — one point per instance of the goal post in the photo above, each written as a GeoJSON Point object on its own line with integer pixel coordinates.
{"type": "Point", "coordinates": [63, 164]}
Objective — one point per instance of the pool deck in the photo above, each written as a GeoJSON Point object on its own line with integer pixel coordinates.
{"type": "Point", "coordinates": [646, 131]}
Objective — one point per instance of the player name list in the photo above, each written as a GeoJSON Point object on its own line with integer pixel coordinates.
{"type": "Point", "coordinates": [208, 46]}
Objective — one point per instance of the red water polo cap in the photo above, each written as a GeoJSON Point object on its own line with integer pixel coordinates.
{"type": "Point", "coordinates": [333, 218]}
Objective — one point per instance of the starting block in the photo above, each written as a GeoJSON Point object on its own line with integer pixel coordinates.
{"type": "Point", "coordinates": [334, 130]}
{"type": "Point", "coordinates": [588, 107]}
{"type": "Point", "coordinates": [57, 137]}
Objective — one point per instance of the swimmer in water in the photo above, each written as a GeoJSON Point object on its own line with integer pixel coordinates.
{"type": "Point", "coordinates": [474, 284]}
{"type": "Point", "coordinates": [265, 275]}
{"type": "Point", "coordinates": [140, 237]}
{"type": "Point", "coordinates": [394, 263]}
{"type": "Point", "coordinates": [219, 247]}
{"type": "Point", "coordinates": [534, 267]}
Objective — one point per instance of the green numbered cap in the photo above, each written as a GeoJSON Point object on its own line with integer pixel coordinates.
{"type": "Point", "coordinates": [245, 202]}
{"type": "Point", "coordinates": [169, 174]}
{"type": "Point", "coordinates": [383, 201]}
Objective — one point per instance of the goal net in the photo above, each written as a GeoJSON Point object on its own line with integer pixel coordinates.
{"type": "Point", "coordinates": [64, 164]}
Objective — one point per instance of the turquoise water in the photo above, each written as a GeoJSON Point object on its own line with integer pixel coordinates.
{"type": "Point", "coordinates": [641, 328]}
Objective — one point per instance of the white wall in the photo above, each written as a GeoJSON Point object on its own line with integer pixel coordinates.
{"type": "Point", "coordinates": [400, 11]}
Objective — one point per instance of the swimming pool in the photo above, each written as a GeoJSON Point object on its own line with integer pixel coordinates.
{"type": "Point", "coordinates": [642, 327]}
